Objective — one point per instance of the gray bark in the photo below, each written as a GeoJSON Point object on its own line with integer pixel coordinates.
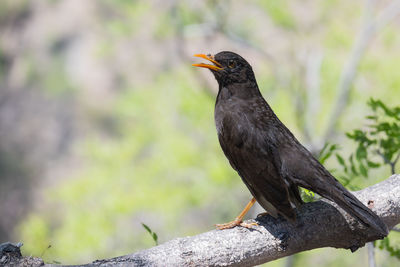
{"type": "Point", "coordinates": [319, 224]}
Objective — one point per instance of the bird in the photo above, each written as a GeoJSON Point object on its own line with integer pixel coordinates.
{"type": "Point", "coordinates": [271, 162]}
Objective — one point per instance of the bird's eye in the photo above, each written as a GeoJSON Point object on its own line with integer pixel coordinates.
{"type": "Point", "coordinates": [231, 64]}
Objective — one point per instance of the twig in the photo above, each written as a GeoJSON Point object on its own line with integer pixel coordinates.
{"type": "Point", "coordinates": [394, 162]}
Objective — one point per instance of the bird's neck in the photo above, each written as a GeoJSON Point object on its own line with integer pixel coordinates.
{"type": "Point", "coordinates": [242, 90]}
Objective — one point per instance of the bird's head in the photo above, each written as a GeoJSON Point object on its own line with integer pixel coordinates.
{"type": "Point", "coordinates": [228, 68]}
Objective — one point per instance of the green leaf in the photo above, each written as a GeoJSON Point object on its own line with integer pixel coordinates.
{"type": "Point", "coordinates": [361, 153]}
{"type": "Point", "coordinates": [152, 234]}
{"type": "Point", "coordinates": [155, 238]}
{"type": "Point", "coordinates": [322, 151]}
{"type": "Point", "coordinates": [147, 228]}
{"type": "Point", "coordinates": [326, 152]}
{"type": "Point", "coordinates": [363, 170]}
{"type": "Point", "coordinates": [385, 245]}
{"type": "Point", "coordinates": [307, 195]}
{"type": "Point", "coordinates": [340, 160]}
{"type": "Point", "coordinates": [352, 166]}
{"type": "Point", "coordinates": [372, 103]}
{"type": "Point", "coordinates": [372, 164]}
{"type": "Point", "coordinates": [345, 181]}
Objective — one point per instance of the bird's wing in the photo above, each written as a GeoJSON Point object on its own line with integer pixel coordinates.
{"type": "Point", "coordinates": [249, 153]}
{"type": "Point", "coordinates": [299, 166]}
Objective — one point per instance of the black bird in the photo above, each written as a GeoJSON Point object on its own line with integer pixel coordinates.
{"type": "Point", "coordinates": [269, 159]}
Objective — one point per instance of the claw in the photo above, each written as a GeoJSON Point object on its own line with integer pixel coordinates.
{"type": "Point", "coordinates": [235, 223]}
{"type": "Point", "coordinates": [248, 225]}
{"type": "Point", "coordinates": [239, 219]}
{"type": "Point", "coordinates": [228, 225]}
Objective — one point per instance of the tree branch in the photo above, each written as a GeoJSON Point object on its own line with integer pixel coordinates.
{"type": "Point", "coordinates": [319, 224]}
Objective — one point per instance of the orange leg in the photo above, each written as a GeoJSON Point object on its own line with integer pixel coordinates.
{"type": "Point", "coordinates": [239, 219]}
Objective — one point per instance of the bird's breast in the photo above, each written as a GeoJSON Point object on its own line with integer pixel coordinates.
{"type": "Point", "coordinates": [225, 111]}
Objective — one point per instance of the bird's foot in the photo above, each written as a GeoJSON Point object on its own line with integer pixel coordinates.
{"type": "Point", "coordinates": [234, 224]}
{"type": "Point", "coordinates": [248, 225]}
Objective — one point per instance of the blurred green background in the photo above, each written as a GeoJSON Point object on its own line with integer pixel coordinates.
{"type": "Point", "coordinates": [104, 123]}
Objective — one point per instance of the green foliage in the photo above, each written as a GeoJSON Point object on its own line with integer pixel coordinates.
{"type": "Point", "coordinates": [307, 195]}
{"type": "Point", "coordinates": [152, 234]}
{"type": "Point", "coordinates": [380, 138]}
{"type": "Point", "coordinates": [393, 250]}
{"type": "Point", "coordinates": [377, 145]}
{"type": "Point", "coordinates": [326, 152]}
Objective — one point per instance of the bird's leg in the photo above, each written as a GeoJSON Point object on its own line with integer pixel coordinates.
{"type": "Point", "coordinates": [239, 219]}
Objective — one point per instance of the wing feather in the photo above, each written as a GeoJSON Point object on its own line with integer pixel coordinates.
{"type": "Point", "coordinates": [246, 148]}
{"type": "Point", "coordinates": [299, 165]}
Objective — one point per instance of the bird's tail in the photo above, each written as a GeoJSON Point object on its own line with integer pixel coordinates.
{"type": "Point", "coordinates": [354, 207]}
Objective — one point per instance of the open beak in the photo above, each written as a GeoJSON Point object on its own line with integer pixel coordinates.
{"type": "Point", "coordinates": [216, 66]}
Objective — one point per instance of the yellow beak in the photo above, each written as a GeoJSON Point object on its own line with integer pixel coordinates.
{"type": "Point", "coordinates": [216, 66]}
